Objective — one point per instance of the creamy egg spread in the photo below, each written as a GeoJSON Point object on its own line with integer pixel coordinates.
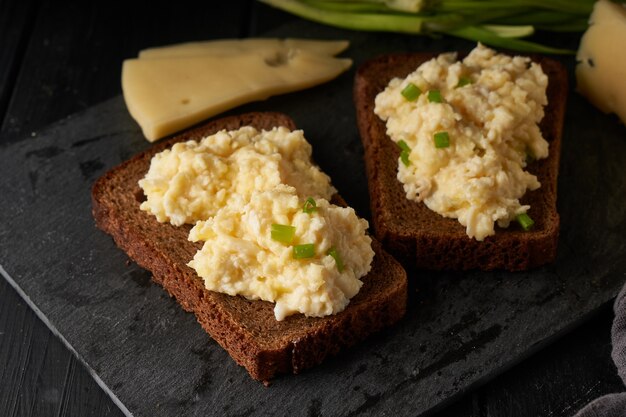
{"type": "Point", "coordinates": [193, 180]}
{"type": "Point", "coordinates": [466, 130]}
{"type": "Point", "coordinates": [262, 209]}
{"type": "Point", "coordinates": [239, 255]}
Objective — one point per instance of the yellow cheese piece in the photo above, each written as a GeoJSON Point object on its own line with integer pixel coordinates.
{"type": "Point", "coordinates": [165, 95]}
{"type": "Point", "coordinates": [224, 47]}
{"type": "Point", "coordinates": [601, 71]}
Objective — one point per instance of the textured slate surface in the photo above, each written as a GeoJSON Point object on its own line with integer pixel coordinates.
{"type": "Point", "coordinates": [155, 360]}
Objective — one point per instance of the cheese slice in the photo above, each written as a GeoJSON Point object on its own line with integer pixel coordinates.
{"type": "Point", "coordinates": [165, 95]}
{"type": "Point", "coordinates": [601, 70]}
{"type": "Point", "coordinates": [227, 47]}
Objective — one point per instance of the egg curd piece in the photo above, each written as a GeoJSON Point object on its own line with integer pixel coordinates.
{"type": "Point", "coordinates": [193, 180]}
{"type": "Point", "coordinates": [239, 256]}
{"type": "Point", "coordinates": [490, 109]}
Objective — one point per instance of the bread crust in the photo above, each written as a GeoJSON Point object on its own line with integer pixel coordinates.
{"type": "Point", "coordinates": [246, 329]}
{"type": "Point", "coordinates": [417, 235]}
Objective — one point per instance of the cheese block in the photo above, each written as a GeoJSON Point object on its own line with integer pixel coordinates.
{"type": "Point", "coordinates": [224, 47]}
{"type": "Point", "coordinates": [165, 95]}
{"type": "Point", "coordinates": [601, 69]}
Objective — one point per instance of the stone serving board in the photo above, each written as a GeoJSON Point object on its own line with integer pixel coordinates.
{"type": "Point", "coordinates": [155, 360]}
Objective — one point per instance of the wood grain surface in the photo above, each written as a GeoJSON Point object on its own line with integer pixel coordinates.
{"type": "Point", "coordinates": [60, 58]}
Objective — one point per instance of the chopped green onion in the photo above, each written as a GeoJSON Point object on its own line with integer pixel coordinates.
{"type": "Point", "coordinates": [338, 261]}
{"type": "Point", "coordinates": [411, 92]}
{"type": "Point", "coordinates": [404, 154]}
{"type": "Point", "coordinates": [402, 144]}
{"type": "Point", "coordinates": [304, 251]}
{"type": "Point", "coordinates": [442, 140]}
{"type": "Point", "coordinates": [283, 233]}
{"type": "Point", "coordinates": [434, 96]}
{"type": "Point", "coordinates": [404, 157]}
{"type": "Point", "coordinates": [309, 205]}
{"type": "Point", "coordinates": [463, 81]}
{"type": "Point", "coordinates": [525, 221]}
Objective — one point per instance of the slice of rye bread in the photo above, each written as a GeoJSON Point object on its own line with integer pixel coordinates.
{"type": "Point", "coordinates": [246, 329]}
{"type": "Point", "coordinates": [414, 233]}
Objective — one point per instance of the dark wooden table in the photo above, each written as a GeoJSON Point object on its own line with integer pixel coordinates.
{"type": "Point", "coordinates": [60, 58]}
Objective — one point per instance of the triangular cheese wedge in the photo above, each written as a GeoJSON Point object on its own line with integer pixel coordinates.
{"type": "Point", "coordinates": [165, 95]}
{"type": "Point", "coordinates": [227, 47]}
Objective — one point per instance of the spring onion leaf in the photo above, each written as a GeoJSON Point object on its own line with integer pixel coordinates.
{"type": "Point", "coordinates": [283, 233]}
{"type": "Point", "coordinates": [442, 140]}
{"type": "Point", "coordinates": [495, 23]}
{"type": "Point", "coordinates": [510, 31]}
{"type": "Point", "coordinates": [348, 6]}
{"type": "Point", "coordinates": [407, 23]}
{"type": "Point", "coordinates": [535, 18]}
{"type": "Point", "coordinates": [525, 221]}
{"type": "Point", "coordinates": [413, 6]}
{"type": "Point", "coordinates": [480, 34]}
{"type": "Point", "coordinates": [434, 96]}
{"type": "Point", "coordinates": [304, 251]}
{"type": "Point", "coordinates": [338, 261]}
{"type": "Point", "coordinates": [309, 205]}
{"type": "Point", "coordinates": [411, 92]}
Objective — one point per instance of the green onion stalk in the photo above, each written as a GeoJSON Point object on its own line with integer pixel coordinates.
{"type": "Point", "coordinates": [498, 23]}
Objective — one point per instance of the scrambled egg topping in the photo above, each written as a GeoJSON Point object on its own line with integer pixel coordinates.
{"type": "Point", "coordinates": [235, 187]}
{"type": "Point", "coordinates": [240, 257]}
{"type": "Point", "coordinates": [489, 106]}
{"type": "Point", "coordinates": [192, 181]}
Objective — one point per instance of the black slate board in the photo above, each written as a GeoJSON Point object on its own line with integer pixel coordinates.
{"type": "Point", "coordinates": [155, 360]}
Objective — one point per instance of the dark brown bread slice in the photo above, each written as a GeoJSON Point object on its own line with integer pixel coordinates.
{"type": "Point", "coordinates": [246, 329]}
{"type": "Point", "coordinates": [414, 233]}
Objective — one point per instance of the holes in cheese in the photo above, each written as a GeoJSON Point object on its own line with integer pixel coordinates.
{"type": "Point", "coordinates": [168, 89]}
{"type": "Point", "coordinates": [601, 68]}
